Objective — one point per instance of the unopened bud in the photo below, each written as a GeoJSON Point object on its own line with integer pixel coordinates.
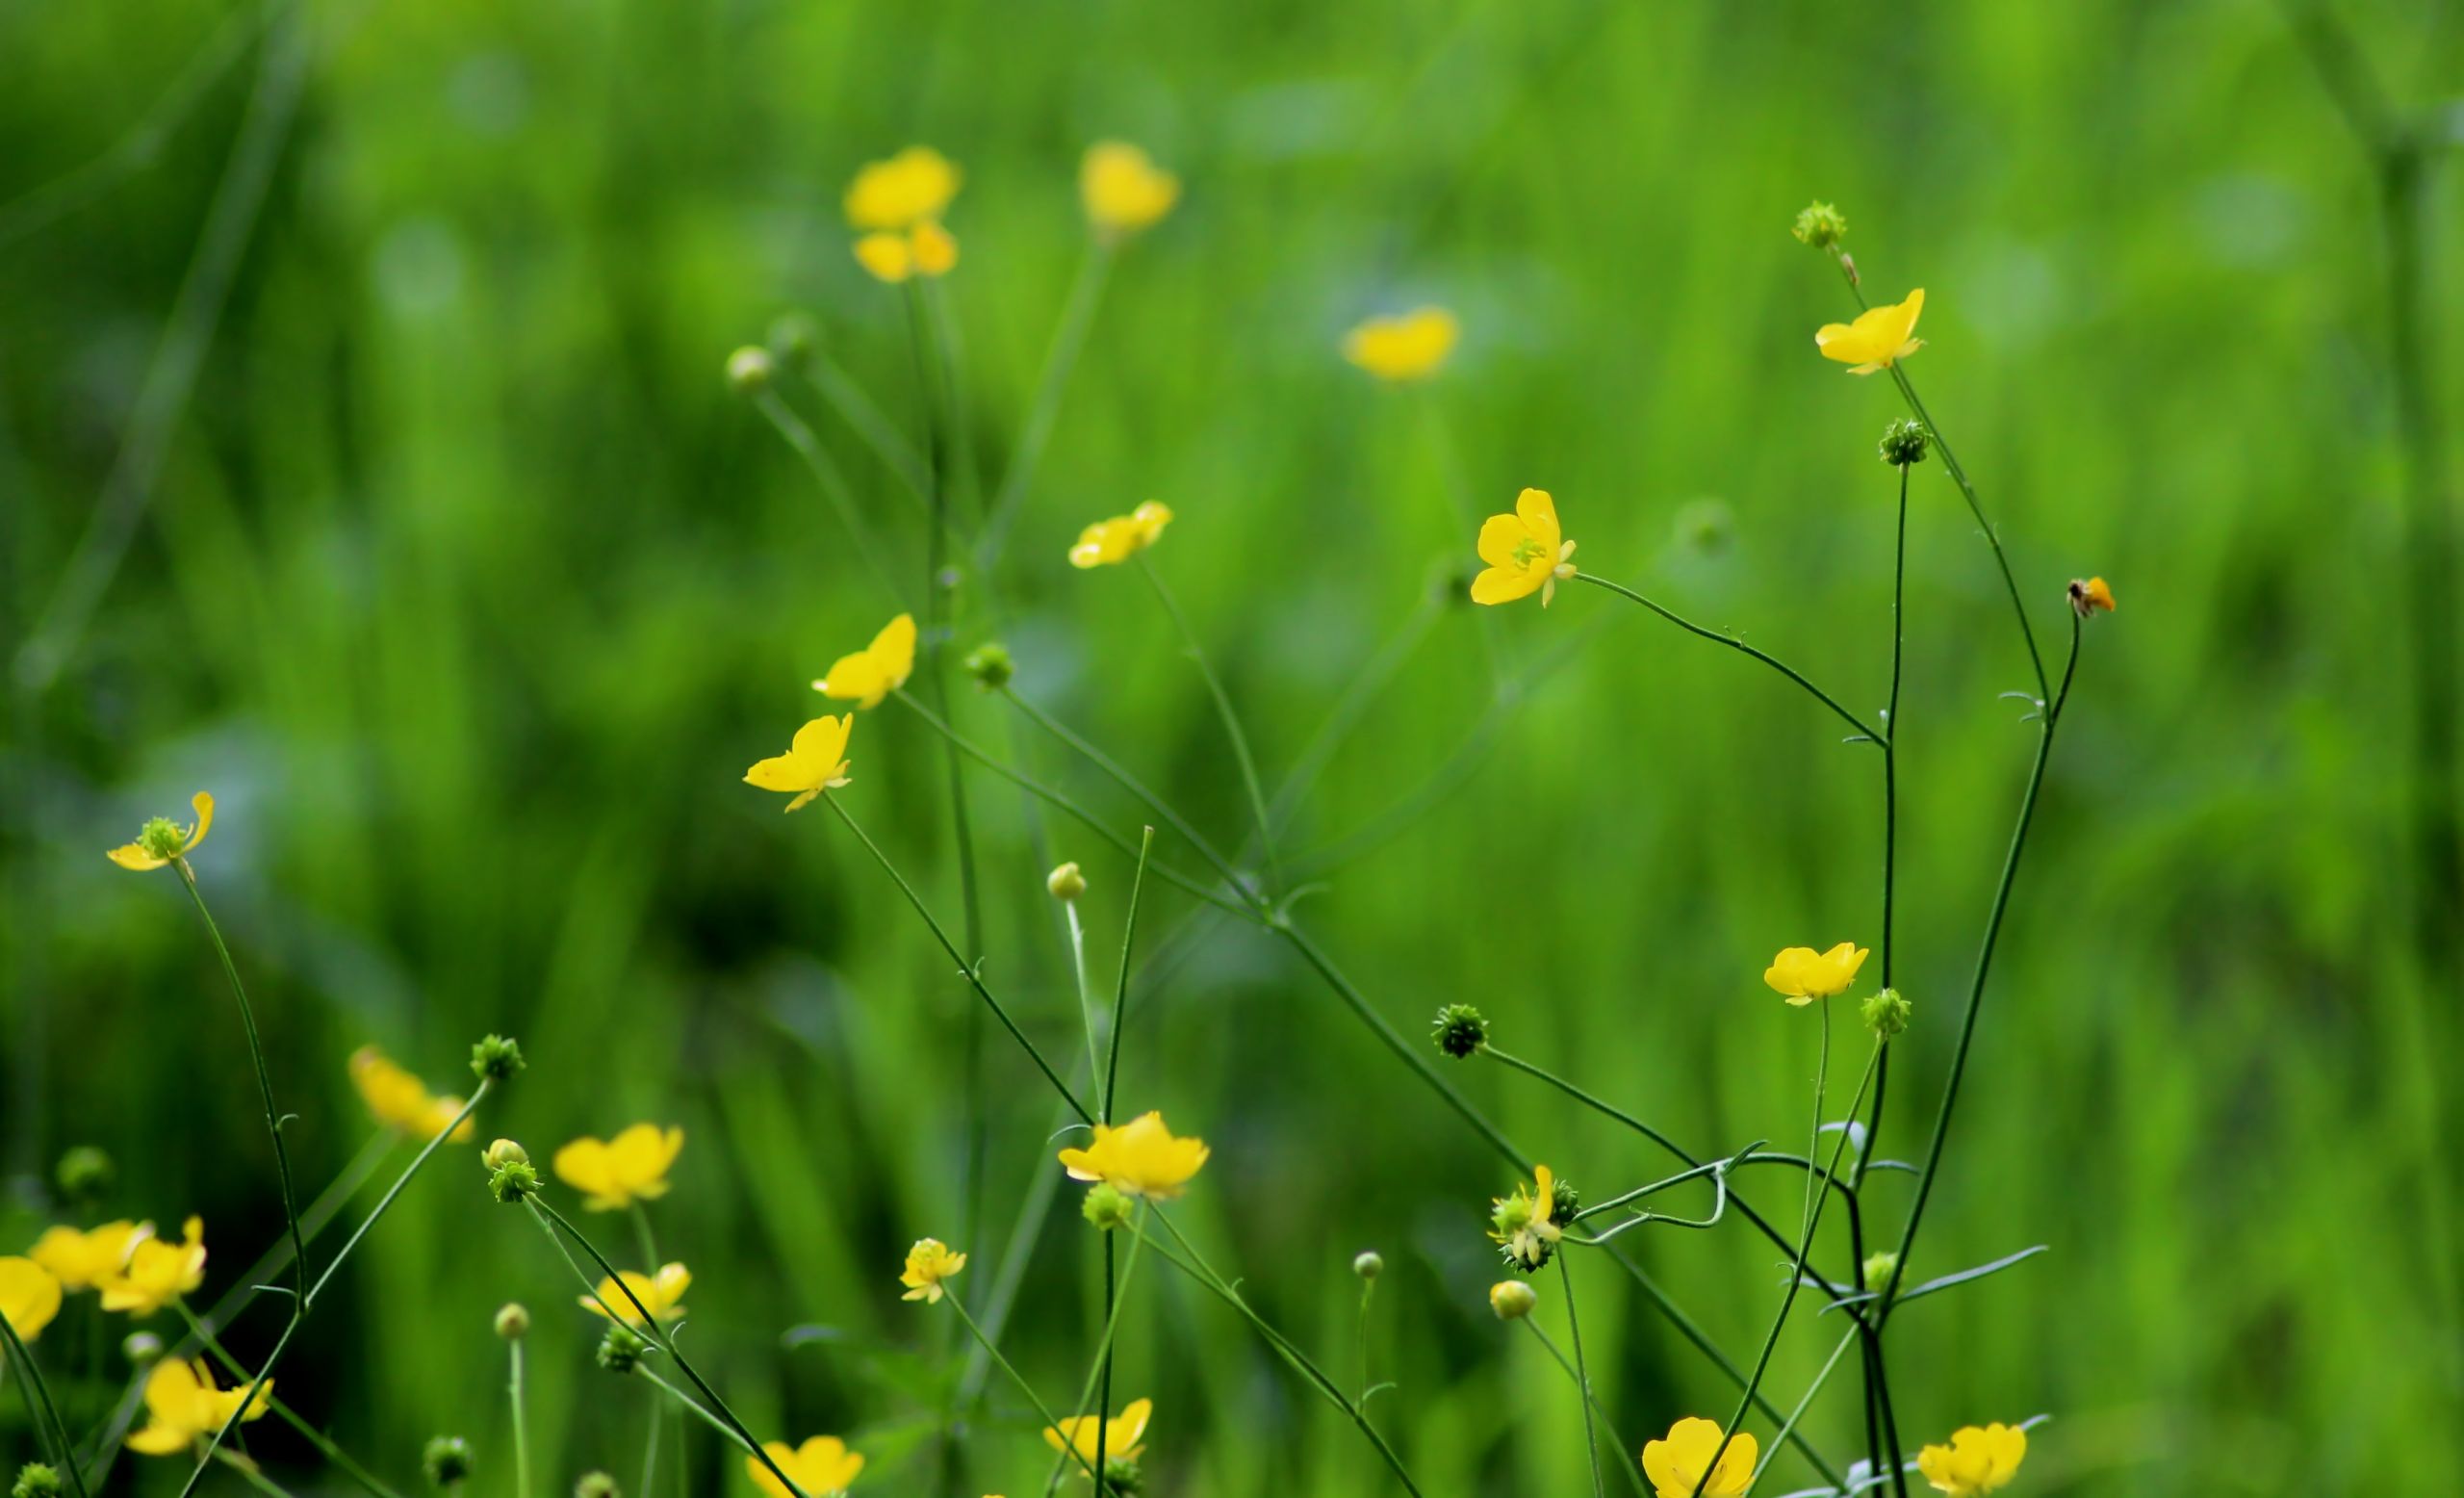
{"type": "Point", "coordinates": [1065, 883]}
{"type": "Point", "coordinates": [140, 1348]}
{"type": "Point", "coordinates": [990, 665]}
{"type": "Point", "coordinates": [1512, 1298]}
{"type": "Point", "coordinates": [596, 1485]}
{"type": "Point", "coordinates": [84, 1173]}
{"type": "Point", "coordinates": [513, 1322]}
{"type": "Point", "coordinates": [446, 1461]}
{"type": "Point", "coordinates": [1106, 1207]}
{"type": "Point", "coordinates": [1368, 1264]}
{"type": "Point", "coordinates": [748, 370]}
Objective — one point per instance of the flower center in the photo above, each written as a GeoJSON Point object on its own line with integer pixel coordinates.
{"type": "Point", "coordinates": [1530, 551]}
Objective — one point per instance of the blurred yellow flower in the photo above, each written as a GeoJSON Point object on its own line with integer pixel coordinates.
{"type": "Point", "coordinates": [662, 1295]}
{"type": "Point", "coordinates": [1124, 1436]}
{"type": "Point", "coordinates": [1124, 190]}
{"type": "Point", "coordinates": [1803, 975]}
{"type": "Point", "coordinates": [402, 1101]}
{"type": "Point", "coordinates": [1140, 1158]}
{"type": "Point", "coordinates": [1977, 1461]}
{"type": "Point", "coordinates": [1527, 553]}
{"type": "Point", "coordinates": [928, 1264]}
{"type": "Point", "coordinates": [614, 1174]}
{"type": "Point", "coordinates": [83, 1260]}
{"type": "Point", "coordinates": [158, 1273]}
{"type": "Point", "coordinates": [875, 671]}
{"type": "Point", "coordinates": [162, 840]}
{"type": "Point", "coordinates": [181, 1406]}
{"type": "Point", "coordinates": [2089, 595]}
{"type": "Point", "coordinates": [1675, 1466]}
{"type": "Point", "coordinates": [1107, 542]}
{"type": "Point", "coordinates": [29, 1296]}
{"type": "Point", "coordinates": [821, 1466]}
{"type": "Point", "coordinates": [816, 762]}
{"type": "Point", "coordinates": [1411, 345]}
{"type": "Point", "coordinates": [1878, 338]}
{"type": "Point", "coordinates": [912, 186]}
{"type": "Point", "coordinates": [927, 250]}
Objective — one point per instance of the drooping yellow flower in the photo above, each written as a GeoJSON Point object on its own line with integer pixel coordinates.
{"type": "Point", "coordinates": [158, 1273]}
{"type": "Point", "coordinates": [612, 1175]}
{"type": "Point", "coordinates": [816, 762]}
{"type": "Point", "coordinates": [821, 1466]}
{"type": "Point", "coordinates": [1124, 1436]}
{"type": "Point", "coordinates": [1880, 337]}
{"type": "Point", "coordinates": [1124, 190]}
{"type": "Point", "coordinates": [927, 250]}
{"type": "Point", "coordinates": [1803, 975]}
{"type": "Point", "coordinates": [1978, 1459]}
{"type": "Point", "coordinates": [1108, 542]}
{"type": "Point", "coordinates": [162, 840]}
{"type": "Point", "coordinates": [1675, 1466]}
{"type": "Point", "coordinates": [928, 1264]}
{"type": "Point", "coordinates": [2087, 595]}
{"type": "Point", "coordinates": [877, 670]}
{"type": "Point", "coordinates": [83, 1260]}
{"type": "Point", "coordinates": [1525, 1224]}
{"type": "Point", "coordinates": [183, 1405]}
{"type": "Point", "coordinates": [1527, 553]}
{"type": "Point", "coordinates": [662, 1295]}
{"type": "Point", "coordinates": [29, 1296]}
{"type": "Point", "coordinates": [402, 1101]}
{"type": "Point", "coordinates": [1408, 347]}
{"type": "Point", "coordinates": [1140, 1158]}
{"type": "Point", "coordinates": [910, 188]}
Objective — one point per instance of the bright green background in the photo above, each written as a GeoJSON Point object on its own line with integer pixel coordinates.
{"type": "Point", "coordinates": [469, 588]}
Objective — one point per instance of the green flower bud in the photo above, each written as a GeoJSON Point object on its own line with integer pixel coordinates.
{"type": "Point", "coordinates": [84, 1173]}
{"type": "Point", "coordinates": [596, 1485]}
{"type": "Point", "coordinates": [34, 1480]}
{"type": "Point", "coordinates": [511, 1175]}
{"type": "Point", "coordinates": [1460, 1031]}
{"type": "Point", "coordinates": [502, 1153]}
{"type": "Point", "coordinates": [748, 370]}
{"type": "Point", "coordinates": [140, 1348]}
{"type": "Point", "coordinates": [1512, 1298]}
{"type": "Point", "coordinates": [1879, 1265]}
{"type": "Point", "coordinates": [1902, 444]}
{"type": "Point", "coordinates": [495, 1059]}
{"type": "Point", "coordinates": [446, 1461]}
{"type": "Point", "coordinates": [1122, 1475]}
{"type": "Point", "coordinates": [1368, 1264]}
{"type": "Point", "coordinates": [513, 1322]}
{"type": "Point", "coordinates": [1885, 1012]}
{"type": "Point", "coordinates": [1106, 1206]}
{"type": "Point", "coordinates": [1065, 883]}
{"type": "Point", "coordinates": [1564, 1201]}
{"type": "Point", "coordinates": [990, 665]}
{"type": "Point", "coordinates": [621, 1349]}
{"type": "Point", "coordinates": [1820, 225]}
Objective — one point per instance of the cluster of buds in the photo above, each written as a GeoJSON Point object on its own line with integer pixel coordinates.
{"type": "Point", "coordinates": [511, 1177]}
{"type": "Point", "coordinates": [621, 1349]}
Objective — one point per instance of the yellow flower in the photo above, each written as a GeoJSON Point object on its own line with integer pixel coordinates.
{"type": "Point", "coordinates": [83, 1260]}
{"type": "Point", "coordinates": [877, 670]}
{"type": "Point", "coordinates": [402, 1101]}
{"type": "Point", "coordinates": [927, 250]}
{"type": "Point", "coordinates": [1123, 1437]}
{"type": "Point", "coordinates": [928, 1264]}
{"type": "Point", "coordinates": [1878, 338]}
{"type": "Point", "coordinates": [1527, 553]}
{"type": "Point", "coordinates": [162, 839]}
{"type": "Point", "coordinates": [1124, 190]}
{"type": "Point", "coordinates": [29, 1296]}
{"type": "Point", "coordinates": [1412, 346]}
{"type": "Point", "coordinates": [181, 1406]}
{"type": "Point", "coordinates": [613, 1175]}
{"type": "Point", "coordinates": [2087, 595]}
{"type": "Point", "coordinates": [1107, 542]}
{"type": "Point", "coordinates": [1803, 974]}
{"type": "Point", "coordinates": [662, 1295]}
{"type": "Point", "coordinates": [912, 186]}
{"type": "Point", "coordinates": [1140, 1158]}
{"type": "Point", "coordinates": [1525, 1224]}
{"type": "Point", "coordinates": [1675, 1466]}
{"type": "Point", "coordinates": [158, 1273]}
{"type": "Point", "coordinates": [821, 1466]}
{"type": "Point", "coordinates": [1977, 1461]}
{"type": "Point", "coordinates": [815, 763]}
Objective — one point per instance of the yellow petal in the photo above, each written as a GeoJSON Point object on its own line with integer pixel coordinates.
{"type": "Point", "coordinates": [893, 650]}
{"type": "Point", "coordinates": [1538, 513]}
{"type": "Point", "coordinates": [130, 856]}
{"type": "Point", "coordinates": [203, 803]}
{"type": "Point", "coordinates": [886, 257]}
{"type": "Point", "coordinates": [932, 249]}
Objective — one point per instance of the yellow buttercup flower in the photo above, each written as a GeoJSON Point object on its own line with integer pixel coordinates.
{"type": "Point", "coordinates": [1124, 1436]}
{"type": "Point", "coordinates": [83, 1260]}
{"type": "Point", "coordinates": [1880, 337]}
{"type": "Point", "coordinates": [877, 670]}
{"type": "Point", "coordinates": [1525, 1224]}
{"type": "Point", "coordinates": [1675, 1466]}
{"type": "Point", "coordinates": [183, 1405]}
{"type": "Point", "coordinates": [1140, 1158]}
{"type": "Point", "coordinates": [1107, 542]}
{"type": "Point", "coordinates": [2089, 595]}
{"type": "Point", "coordinates": [910, 188]}
{"type": "Point", "coordinates": [162, 840]}
{"type": "Point", "coordinates": [158, 1273]}
{"type": "Point", "coordinates": [928, 1264]}
{"type": "Point", "coordinates": [1803, 975]}
{"type": "Point", "coordinates": [402, 1101]}
{"type": "Point", "coordinates": [927, 250]}
{"type": "Point", "coordinates": [816, 762]}
{"type": "Point", "coordinates": [612, 1175]}
{"type": "Point", "coordinates": [1527, 553]}
{"type": "Point", "coordinates": [662, 1295]}
{"type": "Point", "coordinates": [1978, 1459]}
{"type": "Point", "coordinates": [821, 1466]}
{"type": "Point", "coordinates": [29, 1296]}
{"type": "Point", "coordinates": [1124, 190]}
{"type": "Point", "coordinates": [1411, 345]}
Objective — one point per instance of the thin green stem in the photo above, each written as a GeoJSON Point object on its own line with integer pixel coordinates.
{"type": "Point", "coordinates": [1376, 675]}
{"type": "Point", "coordinates": [867, 420]}
{"type": "Point", "coordinates": [1633, 1471]}
{"type": "Point", "coordinates": [521, 1422]}
{"type": "Point", "coordinates": [1086, 1392]}
{"type": "Point", "coordinates": [1120, 991]}
{"type": "Point", "coordinates": [39, 1410]}
{"type": "Point", "coordinates": [1804, 1403]}
{"type": "Point", "coordinates": [1583, 1376]}
{"type": "Point", "coordinates": [231, 1365]}
{"type": "Point", "coordinates": [1976, 509]}
{"type": "Point", "coordinates": [1016, 1377]}
{"type": "Point", "coordinates": [1086, 1005]}
{"type": "Point", "coordinates": [1466, 516]}
{"type": "Point", "coordinates": [1231, 718]}
{"type": "Point", "coordinates": [1736, 644]}
{"type": "Point", "coordinates": [253, 1475]}
{"type": "Point", "coordinates": [833, 487]}
{"type": "Point", "coordinates": [1095, 757]}
{"type": "Point", "coordinates": [695, 1407]}
{"type": "Point", "coordinates": [385, 1202]}
{"type": "Point", "coordinates": [1044, 411]}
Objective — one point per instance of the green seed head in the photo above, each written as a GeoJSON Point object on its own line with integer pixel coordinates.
{"type": "Point", "coordinates": [1460, 1031]}
{"type": "Point", "coordinates": [596, 1485]}
{"type": "Point", "coordinates": [497, 1058]}
{"type": "Point", "coordinates": [1885, 1012]}
{"type": "Point", "coordinates": [1106, 1206]}
{"type": "Point", "coordinates": [84, 1173]}
{"type": "Point", "coordinates": [446, 1461]}
{"type": "Point", "coordinates": [990, 665]}
{"type": "Point", "coordinates": [621, 1349]}
{"type": "Point", "coordinates": [1122, 1475]}
{"type": "Point", "coordinates": [1820, 225]}
{"type": "Point", "coordinates": [35, 1481]}
{"type": "Point", "coordinates": [163, 837]}
{"type": "Point", "coordinates": [1902, 444]}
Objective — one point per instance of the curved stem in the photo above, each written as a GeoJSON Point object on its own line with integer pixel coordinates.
{"type": "Point", "coordinates": [1035, 433]}
{"type": "Point", "coordinates": [1582, 1377]}
{"type": "Point", "coordinates": [833, 487]}
{"type": "Point", "coordinates": [1736, 644]}
{"type": "Point", "coordinates": [288, 1416]}
{"type": "Point", "coordinates": [1223, 709]}
{"type": "Point", "coordinates": [1976, 509]}
{"type": "Point", "coordinates": [1633, 1471]}
{"type": "Point", "coordinates": [41, 1411]}
{"type": "Point", "coordinates": [1016, 1377]}
{"type": "Point", "coordinates": [1118, 1298]}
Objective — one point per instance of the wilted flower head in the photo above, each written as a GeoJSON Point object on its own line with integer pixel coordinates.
{"type": "Point", "coordinates": [162, 840]}
{"type": "Point", "coordinates": [1408, 347]}
{"type": "Point", "coordinates": [1527, 1226]}
{"type": "Point", "coordinates": [2090, 595]}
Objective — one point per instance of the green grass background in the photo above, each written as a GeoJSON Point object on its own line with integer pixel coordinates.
{"type": "Point", "coordinates": [469, 588]}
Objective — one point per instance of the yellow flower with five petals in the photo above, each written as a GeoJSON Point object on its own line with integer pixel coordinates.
{"type": "Point", "coordinates": [1527, 553]}
{"type": "Point", "coordinates": [1124, 190]}
{"type": "Point", "coordinates": [927, 1263]}
{"type": "Point", "coordinates": [158, 1273]}
{"type": "Point", "coordinates": [183, 1405]}
{"type": "Point", "coordinates": [1801, 974]}
{"type": "Point", "coordinates": [402, 1101]}
{"type": "Point", "coordinates": [1108, 542]}
{"type": "Point", "coordinates": [614, 1174]}
{"type": "Point", "coordinates": [29, 1297]}
{"type": "Point", "coordinates": [661, 1293]}
{"type": "Point", "coordinates": [1139, 1158]}
{"type": "Point", "coordinates": [162, 839]}
{"type": "Point", "coordinates": [83, 1260]}
{"type": "Point", "coordinates": [821, 1466]}
{"type": "Point", "coordinates": [816, 762]}
{"type": "Point", "coordinates": [1977, 1461]}
{"type": "Point", "coordinates": [1408, 347]}
{"type": "Point", "coordinates": [1880, 337]}
{"type": "Point", "coordinates": [1124, 1435]}
{"type": "Point", "coordinates": [1674, 1464]}
{"type": "Point", "coordinates": [874, 672]}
